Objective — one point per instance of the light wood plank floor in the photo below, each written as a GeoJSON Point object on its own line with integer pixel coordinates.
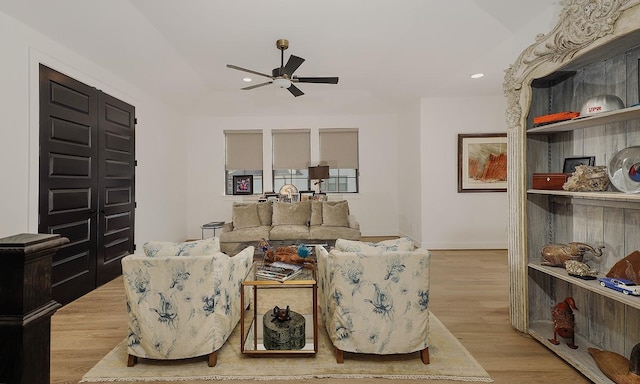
{"type": "Point", "coordinates": [469, 294]}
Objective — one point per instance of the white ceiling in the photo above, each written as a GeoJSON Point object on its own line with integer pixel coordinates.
{"type": "Point", "coordinates": [385, 52]}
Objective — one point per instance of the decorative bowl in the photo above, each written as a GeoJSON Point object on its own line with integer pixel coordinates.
{"type": "Point", "coordinates": [624, 170]}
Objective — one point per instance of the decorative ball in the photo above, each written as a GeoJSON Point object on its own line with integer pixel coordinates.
{"type": "Point", "coordinates": [303, 251]}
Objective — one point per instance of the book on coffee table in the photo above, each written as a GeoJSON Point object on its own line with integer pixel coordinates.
{"type": "Point", "coordinates": [278, 271]}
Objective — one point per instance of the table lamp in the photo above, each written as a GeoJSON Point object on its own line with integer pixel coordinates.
{"type": "Point", "coordinates": [319, 173]}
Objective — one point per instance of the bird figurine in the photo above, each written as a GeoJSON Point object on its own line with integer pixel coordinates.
{"type": "Point", "coordinates": [617, 367]}
{"type": "Point", "coordinates": [564, 322]}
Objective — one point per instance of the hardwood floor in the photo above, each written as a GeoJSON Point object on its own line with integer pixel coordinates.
{"type": "Point", "coordinates": [469, 294]}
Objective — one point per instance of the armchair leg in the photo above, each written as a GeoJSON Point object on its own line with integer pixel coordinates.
{"type": "Point", "coordinates": [339, 356]}
{"type": "Point", "coordinates": [132, 360]}
{"type": "Point", "coordinates": [424, 355]}
{"type": "Point", "coordinates": [213, 359]}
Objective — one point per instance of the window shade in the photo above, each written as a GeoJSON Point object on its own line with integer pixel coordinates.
{"type": "Point", "coordinates": [339, 148]}
{"type": "Point", "coordinates": [291, 149]}
{"type": "Point", "coordinates": [243, 149]}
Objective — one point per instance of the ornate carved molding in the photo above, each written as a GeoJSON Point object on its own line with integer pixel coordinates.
{"type": "Point", "coordinates": [581, 23]}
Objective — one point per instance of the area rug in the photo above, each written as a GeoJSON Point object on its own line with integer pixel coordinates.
{"type": "Point", "coordinates": [449, 361]}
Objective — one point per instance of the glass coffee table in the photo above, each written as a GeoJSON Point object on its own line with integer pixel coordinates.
{"type": "Point", "coordinates": [258, 323]}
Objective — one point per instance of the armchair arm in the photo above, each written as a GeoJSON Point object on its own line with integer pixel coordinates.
{"type": "Point", "coordinates": [227, 227]}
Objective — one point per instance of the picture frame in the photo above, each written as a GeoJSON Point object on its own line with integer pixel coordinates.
{"type": "Point", "coordinates": [570, 163]}
{"type": "Point", "coordinates": [306, 195]}
{"type": "Point", "coordinates": [320, 196]}
{"type": "Point", "coordinates": [272, 196]}
{"type": "Point", "coordinates": [243, 185]}
{"type": "Point", "coordinates": [482, 162]}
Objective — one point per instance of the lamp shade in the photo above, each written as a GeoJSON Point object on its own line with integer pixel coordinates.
{"type": "Point", "coordinates": [318, 173]}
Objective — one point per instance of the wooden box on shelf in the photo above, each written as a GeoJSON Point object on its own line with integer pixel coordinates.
{"type": "Point", "coordinates": [552, 181]}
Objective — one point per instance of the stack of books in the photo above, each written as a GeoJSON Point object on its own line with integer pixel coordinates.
{"type": "Point", "coordinates": [278, 271]}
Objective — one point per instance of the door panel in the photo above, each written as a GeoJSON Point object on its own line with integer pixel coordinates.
{"type": "Point", "coordinates": [116, 185]}
{"type": "Point", "coordinates": [68, 183]}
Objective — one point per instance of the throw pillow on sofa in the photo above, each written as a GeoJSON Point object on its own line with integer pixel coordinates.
{"type": "Point", "coordinates": [188, 248]}
{"type": "Point", "coordinates": [245, 216]}
{"type": "Point", "coordinates": [316, 213]}
{"type": "Point", "coordinates": [291, 213]}
{"type": "Point", "coordinates": [335, 215]}
{"type": "Point", "coordinates": [401, 244]}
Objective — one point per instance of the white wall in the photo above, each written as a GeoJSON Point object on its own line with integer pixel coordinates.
{"type": "Point", "coordinates": [376, 207]}
{"type": "Point", "coordinates": [410, 173]}
{"type": "Point", "coordinates": [452, 220]}
{"type": "Point", "coordinates": [160, 147]}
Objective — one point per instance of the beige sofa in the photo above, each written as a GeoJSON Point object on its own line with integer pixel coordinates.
{"type": "Point", "coordinates": [306, 220]}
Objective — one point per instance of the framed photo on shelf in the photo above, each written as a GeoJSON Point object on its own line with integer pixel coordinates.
{"type": "Point", "coordinates": [243, 185]}
{"type": "Point", "coordinates": [306, 195]}
{"type": "Point", "coordinates": [482, 162]}
{"type": "Point", "coordinates": [570, 163]}
{"type": "Point", "coordinates": [272, 196]}
{"type": "Point", "coordinates": [320, 196]}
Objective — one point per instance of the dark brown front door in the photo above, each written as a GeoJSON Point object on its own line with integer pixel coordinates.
{"type": "Point", "coordinates": [86, 181]}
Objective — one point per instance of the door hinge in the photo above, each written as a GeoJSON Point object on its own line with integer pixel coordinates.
{"type": "Point", "coordinates": [134, 247]}
{"type": "Point", "coordinates": [135, 163]}
{"type": "Point", "coordinates": [135, 120]}
{"type": "Point", "coordinates": [135, 204]}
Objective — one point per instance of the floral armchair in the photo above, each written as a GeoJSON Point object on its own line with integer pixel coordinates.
{"type": "Point", "coordinates": [375, 297]}
{"type": "Point", "coordinates": [183, 299]}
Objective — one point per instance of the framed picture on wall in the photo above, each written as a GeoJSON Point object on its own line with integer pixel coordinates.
{"type": "Point", "coordinates": [482, 162]}
{"type": "Point", "coordinates": [243, 185]}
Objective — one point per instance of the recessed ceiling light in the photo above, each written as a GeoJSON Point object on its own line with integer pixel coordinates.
{"type": "Point", "coordinates": [246, 79]}
{"type": "Point", "coordinates": [477, 75]}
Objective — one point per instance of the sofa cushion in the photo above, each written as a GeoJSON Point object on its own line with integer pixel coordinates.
{"type": "Point", "coordinates": [401, 244]}
{"type": "Point", "coordinates": [335, 215]}
{"type": "Point", "coordinates": [245, 216]}
{"type": "Point", "coordinates": [291, 214]}
{"type": "Point", "coordinates": [289, 232]}
{"type": "Point", "coordinates": [265, 211]}
{"type": "Point", "coordinates": [188, 248]}
{"type": "Point", "coordinates": [245, 235]}
{"type": "Point", "coordinates": [316, 213]}
{"type": "Point", "coordinates": [323, 232]}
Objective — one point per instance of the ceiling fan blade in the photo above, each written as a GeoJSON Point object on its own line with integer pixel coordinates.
{"type": "Point", "coordinates": [318, 80]}
{"type": "Point", "coordinates": [257, 85]}
{"type": "Point", "coordinates": [248, 70]}
{"type": "Point", "coordinates": [292, 64]}
{"type": "Point", "coordinates": [295, 91]}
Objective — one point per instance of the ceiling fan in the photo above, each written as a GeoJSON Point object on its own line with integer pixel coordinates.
{"type": "Point", "coordinates": [283, 76]}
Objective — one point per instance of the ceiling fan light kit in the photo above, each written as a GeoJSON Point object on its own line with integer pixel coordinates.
{"type": "Point", "coordinates": [282, 77]}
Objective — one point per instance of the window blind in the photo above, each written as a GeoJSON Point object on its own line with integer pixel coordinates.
{"type": "Point", "coordinates": [339, 147]}
{"type": "Point", "coordinates": [291, 149]}
{"type": "Point", "coordinates": [243, 149]}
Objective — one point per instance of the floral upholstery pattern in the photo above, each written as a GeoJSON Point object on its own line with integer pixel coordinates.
{"type": "Point", "coordinates": [375, 302]}
{"type": "Point", "coordinates": [188, 248]}
{"type": "Point", "coordinates": [182, 306]}
{"type": "Point", "coordinates": [401, 244]}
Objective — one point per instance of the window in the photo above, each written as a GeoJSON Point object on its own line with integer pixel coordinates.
{"type": "Point", "coordinates": [243, 156]}
{"type": "Point", "coordinates": [291, 156]}
{"type": "Point", "coordinates": [339, 150]}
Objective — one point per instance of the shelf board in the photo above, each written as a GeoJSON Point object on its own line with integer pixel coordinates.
{"type": "Point", "coordinates": [606, 195]}
{"type": "Point", "coordinates": [579, 358]}
{"type": "Point", "coordinates": [585, 122]}
{"type": "Point", "coordinates": [590, 285]}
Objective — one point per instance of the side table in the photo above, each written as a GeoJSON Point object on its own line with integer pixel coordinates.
{"type": "Point", "coordinates": [212, 225]}
{"type": "Point", "coordinates": [300, 292]}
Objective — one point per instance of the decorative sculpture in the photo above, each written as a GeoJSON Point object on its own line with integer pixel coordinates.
{"type": "Point", "coordinates": [579, 269]}
{"type": "Point", "coordinates": [588, 178]}
{"type": "Point", "coordinates": [617, 367]}
{"type": "Point", "coordinates": [556, 255]}
{"type": "Point", "coordinates": [281, 314]}
{"type": "Point", "coordinates": [627, 268]}
{"type": "Point", "coordinates": [564, 322]}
